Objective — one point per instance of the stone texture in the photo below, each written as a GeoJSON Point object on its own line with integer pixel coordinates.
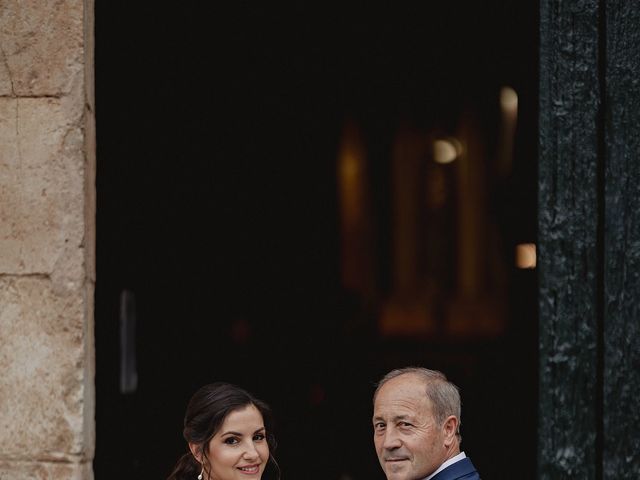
{"type": "Point", "coordinates": [89, 146]}
{"type": "Point", "coordinates": [589, 230]}
{"type": "Point", "coordinates": [42, 45]}
{"type": "Point", "coordinates": [41, 184]}
{"type": "Point", "coordinates": [45, 471]}
{"type": "Point", "coordinates": [621, 429]}
{"type": "Point", "coordinates": [6, 87]}
{"type": "Point", "coordinates": [44, 368]}
{"type": "Point", "coordinates": [47, 240]}
{"type": "Point", "coordinates": [568, 239]}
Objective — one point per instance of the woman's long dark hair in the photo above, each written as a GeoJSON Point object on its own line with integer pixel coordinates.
{"type": "Point", "coordinates": [205, 414]}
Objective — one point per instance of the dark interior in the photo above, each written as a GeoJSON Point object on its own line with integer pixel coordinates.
{"type": "Point", "coordinates": [219, 127]}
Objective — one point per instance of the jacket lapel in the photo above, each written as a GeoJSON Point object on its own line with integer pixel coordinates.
{"type": "Point", "coordinates": [458, 470]}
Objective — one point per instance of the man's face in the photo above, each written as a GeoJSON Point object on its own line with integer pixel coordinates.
{"type": "Point", "coordinates": [409, 443]}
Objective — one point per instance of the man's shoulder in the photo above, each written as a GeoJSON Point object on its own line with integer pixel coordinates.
{"type": "Point", "coordinates": [461, 470]}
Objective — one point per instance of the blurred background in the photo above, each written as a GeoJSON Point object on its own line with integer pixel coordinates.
{"type": "Point", "coordinates": [299, 199]}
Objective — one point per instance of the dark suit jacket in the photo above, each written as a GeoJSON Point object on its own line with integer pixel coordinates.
{"type": "Point", "coordinates": [462, 470]}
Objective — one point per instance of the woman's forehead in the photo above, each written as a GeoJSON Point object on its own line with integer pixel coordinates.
{"type": "Point", "coordinates": [248, 416]}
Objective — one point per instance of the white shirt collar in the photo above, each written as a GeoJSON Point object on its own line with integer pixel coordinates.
{"type": "Point", "coordinates": [451, 461]}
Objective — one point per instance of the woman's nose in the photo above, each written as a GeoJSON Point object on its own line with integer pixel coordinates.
{"type": "Point", "coordinates": [250, 452]}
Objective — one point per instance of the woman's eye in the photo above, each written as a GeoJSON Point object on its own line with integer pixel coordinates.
{"type": "Point", "coordinates": [258, 436]}
{"type": "Point", "coordinates": [231, 440]}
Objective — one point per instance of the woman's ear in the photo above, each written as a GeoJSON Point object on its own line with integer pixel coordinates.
{"type": "Point", "coordinates": [196, 451]}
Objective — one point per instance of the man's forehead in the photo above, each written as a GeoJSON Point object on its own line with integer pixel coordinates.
{"type": "Point", "coordinates": [394, 413]}
{"type": "Point", "coordinates": [392, 404]}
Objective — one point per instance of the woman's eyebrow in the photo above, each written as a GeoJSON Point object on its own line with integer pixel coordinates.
{"type": "Point", "coordinates": [238, 434]}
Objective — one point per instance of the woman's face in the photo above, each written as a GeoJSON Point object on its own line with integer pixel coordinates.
{"type": "Point", "coordinates": [239, 449]}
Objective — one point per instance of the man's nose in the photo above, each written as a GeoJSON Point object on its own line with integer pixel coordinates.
{"type": "Point", "coordinates": [391, 440]}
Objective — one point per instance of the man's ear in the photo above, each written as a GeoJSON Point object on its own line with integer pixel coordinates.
{"type": "Point", "coordinates": [196, 451]}
{"type": "Point", "coordinates": [450, 429]}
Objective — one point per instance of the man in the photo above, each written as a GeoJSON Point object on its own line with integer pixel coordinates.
{"type": "Point", "coordinates": [416, 424]}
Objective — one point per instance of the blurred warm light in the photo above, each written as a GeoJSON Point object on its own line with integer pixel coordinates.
{"type": "Point", "coordinates": [353, 198]}
{"type": "Point", "coordinates": [509, 118]}
{"type": "Point", "coordinates": [508, 99]}
{"type": "Point", "coordinates": [526, 255]}
{"type": "Point", "coordinates": [446, 150]}
{"type": "Point", "coordinates": [351, 176]}
{"type": "Point", "coordinates": [349, 168]}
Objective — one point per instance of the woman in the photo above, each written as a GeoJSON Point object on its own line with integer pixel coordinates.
{"type": "Point", "coordinates": [229, 436]}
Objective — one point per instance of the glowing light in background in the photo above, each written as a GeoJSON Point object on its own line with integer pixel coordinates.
{"type": "Point", "coordinates": [356, 254]}
{"type": "Point", "coordinates": [446, 150]}
{"type": "Point", "coordinates": [526, 255]}
{"type": "Point", "coordinates": [351, 188]}
{"type": "Point", "coordinates": [508, 99]}
{"type": "Point", "coordinates": [351, 177]}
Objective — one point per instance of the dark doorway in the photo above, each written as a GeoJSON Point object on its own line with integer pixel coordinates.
{"type": "Point", "coordinates": [219, 129]}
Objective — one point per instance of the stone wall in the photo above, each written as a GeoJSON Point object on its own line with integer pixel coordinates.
{"type": "Point", "coordinates": [47, 227]}
{"type": "Point", "coordinates": [589, 240]}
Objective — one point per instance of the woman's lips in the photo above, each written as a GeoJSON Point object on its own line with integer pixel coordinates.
{"type": "Point", "coordinates": [250, 469]}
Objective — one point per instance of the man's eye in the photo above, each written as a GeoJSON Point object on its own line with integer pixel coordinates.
{"type": "Point", "coordinates": [378, 426]}
{"type": "Point", "coordinates": [258, 437]}
{"type": "Point", "coordinates": [404, 424]}
{"type": "Point", "coordinates": [231, 440]}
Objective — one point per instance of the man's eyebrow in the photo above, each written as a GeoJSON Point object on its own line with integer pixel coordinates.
{"type": "Point", "coordinates": [400, 417]}
{"type": "Point", "coordinates": [394, 419]}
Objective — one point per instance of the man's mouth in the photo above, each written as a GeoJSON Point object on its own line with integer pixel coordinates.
{"type": "Point", "coordinates": [250, 469]}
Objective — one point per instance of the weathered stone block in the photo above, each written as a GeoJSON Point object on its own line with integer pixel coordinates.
{"type": "Point", "coordinates": [44, 336]}
{"type": "Point", "coordinates": [41, 183]}
{"type": "Point", "coordinates": [6, 88]}
{"type": "Point", "coordinates": [42, 42]}
{"type": "Point", "coordinates": [45, 471]}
